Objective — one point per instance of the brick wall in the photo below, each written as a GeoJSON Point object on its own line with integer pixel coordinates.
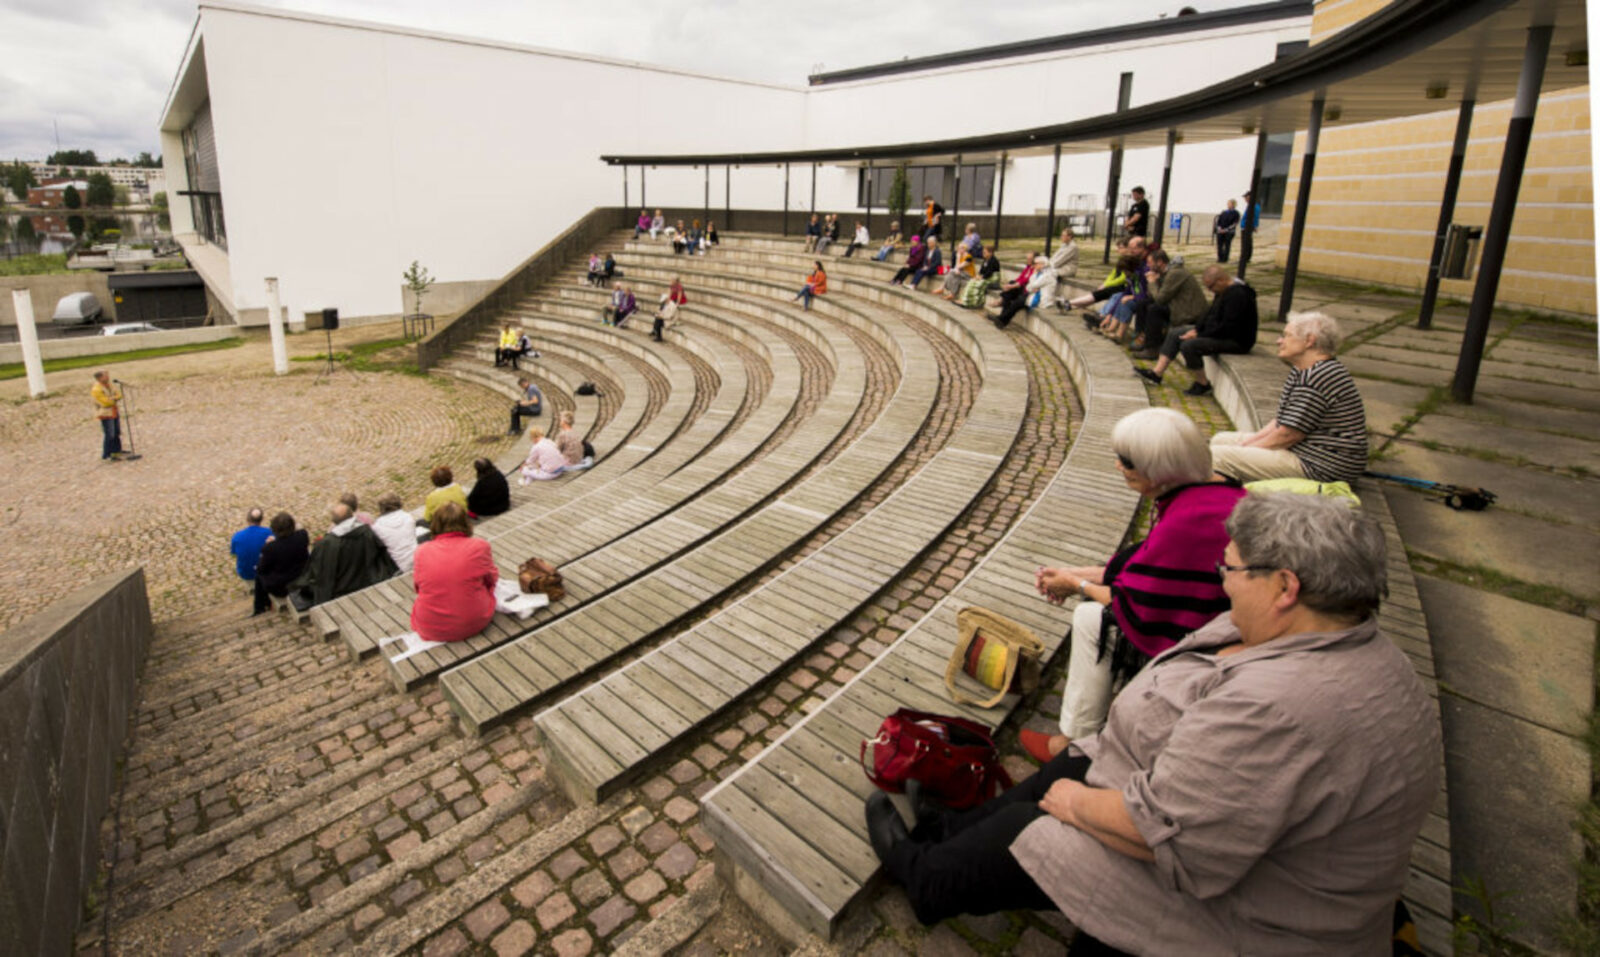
{"type": "Point", "coordinates": [67, 685]}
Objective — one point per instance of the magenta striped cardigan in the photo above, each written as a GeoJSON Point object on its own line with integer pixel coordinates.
{"type": "Point", "coordinates": [1167, 585]}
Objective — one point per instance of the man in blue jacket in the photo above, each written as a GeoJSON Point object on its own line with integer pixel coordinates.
{"type": "Point", "coordinates": [246, 544]}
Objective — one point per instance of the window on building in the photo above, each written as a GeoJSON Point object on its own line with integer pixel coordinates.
{"type": "Point", "coordinates": [205, 185]}
{"type": "Point", "coordinates": [977, 186]}
{"type": "Point", "coordinates": [1275, 173]}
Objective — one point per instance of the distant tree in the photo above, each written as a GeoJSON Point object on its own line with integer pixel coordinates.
{"type": "Point", "coordinates": [19, 179]}
{"type": "Point", "coordinates": [123, 197]}
{"type": "Point", "coordinates": [73, 158]}
{"type": "Point", "coordinates": [71, 198]}
{"type": "Point", "coordinates": [159, 200]}
{"type": "Point", "coordinates": [899, 194]}
{"type": "Point", "coordinates": [147, 161]}
{"type": "Point", "coordinates": [102, 192]}
{"type": "Point", "coordinates": [75, 224]}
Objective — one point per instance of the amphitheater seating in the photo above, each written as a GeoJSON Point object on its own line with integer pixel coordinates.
{"type": "Point", "coordinates": [792, 818]}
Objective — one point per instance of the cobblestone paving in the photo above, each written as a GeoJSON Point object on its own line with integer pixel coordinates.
{"type": "Point", "coordinates": [213, 446]}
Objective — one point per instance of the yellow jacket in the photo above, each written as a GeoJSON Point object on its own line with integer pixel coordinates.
{"type": "Point", "coordinates": [105, 400]}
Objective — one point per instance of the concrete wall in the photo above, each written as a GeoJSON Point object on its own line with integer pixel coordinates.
{"type": "Point", "coordinates": [67, 687]}
{"type": "Point", "coordinates": [106, 345]}
{"type": "Point", "coordinates": [46, 291]}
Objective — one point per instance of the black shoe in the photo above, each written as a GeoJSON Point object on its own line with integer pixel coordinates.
{"type": "Point", "coordinates": [1197, 389]}
{"type": "Point", "coordinates": [884, 827]}
{"type": "Point", "coordinates": [1147, 375]}
{"type": "Point", "coordinates": [1091, 323]}
{"type": "Point", "coordinates": [1149, 355]}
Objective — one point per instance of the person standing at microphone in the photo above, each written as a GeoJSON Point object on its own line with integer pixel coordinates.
{"type": "Point", "coordinates": [106, 396]}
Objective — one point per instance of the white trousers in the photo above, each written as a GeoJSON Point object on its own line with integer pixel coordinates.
{"type": "Point", "coordinates": [1087, 697]}
{"type": "Point", "coordinates": [1249, 463]}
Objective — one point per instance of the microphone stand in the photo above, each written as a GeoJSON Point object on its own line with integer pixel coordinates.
{"type": "Point", "coordinates": [127, 405]}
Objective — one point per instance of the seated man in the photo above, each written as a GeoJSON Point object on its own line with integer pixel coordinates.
{"type": "Point", "coordinates": [349, 558]}
{"type": "Point", "coordinates": [396, 529]}
{"type": "Point", "coordinates": [283, 558]}
{"type": "Point", "coordinates": [530, 405]}
{"type": "Point", "coordinates": [1229, 326]}
{"type": "Point", "coordinates": [572, 446]}
{"type": "Point", "coordinates": [1256, 789]}
{"type": "Point", "coordinates": [1320, 431]}
{"type": "Point", "coordinates": [523, 348]}
{"type": "Point", "coordinates": [1176, 300]}
{"type": "Point", "coordinates": [246, 544]}
{"type": "Point", "coordinates": [445, 490]}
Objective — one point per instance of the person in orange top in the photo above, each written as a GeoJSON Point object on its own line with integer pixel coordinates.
{"type": "Point", "coordinates": [106, 396]}
{"type": "Point", "coordinates": [816, 285]}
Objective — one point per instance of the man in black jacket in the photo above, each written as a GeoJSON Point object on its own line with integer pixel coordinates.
{"type": "Point", "coordinates": [1229, 326]}
{"type": "Point", "coordinates": [349, 558]}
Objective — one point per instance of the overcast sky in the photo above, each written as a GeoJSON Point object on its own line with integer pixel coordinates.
{"type": "Point", "coordinates": [99, 70]}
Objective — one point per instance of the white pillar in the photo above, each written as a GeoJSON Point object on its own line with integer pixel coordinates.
{"type": "Point", "coordinates": [22, 303]}
{"type": "Point", "coordinates": [280, 351]}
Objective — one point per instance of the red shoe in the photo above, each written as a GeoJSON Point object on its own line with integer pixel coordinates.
{"type": "Point", "coordinates": [1037, 744]}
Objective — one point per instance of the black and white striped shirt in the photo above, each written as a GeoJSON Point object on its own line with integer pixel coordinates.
{"type": "Point", "coordinates": [1322, 402]}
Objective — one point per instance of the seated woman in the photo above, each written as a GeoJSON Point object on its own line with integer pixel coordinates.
{"type": "Point", "coordinates": [915, 257]}
{"type": "Point", "coordinates": [1037, 292]}
{"type": "Point", "coordinates": [816, 285]}
{"type": "Point", "coordinates": [891, 242]}
{"type": "Point", "coordinates": [283, 558]}
{"type": "Point", "coordinates": [445, 490]}
{"type": "Point", "coordinates": [932, 263]}
{"type": "Point", "coordinates": [490, 494]}
{"type": "Point", "coordinates": [680, 237]}
{"type": "Point", "coordinates": [544, 461]}
{"type": "Point", "coordinates": [623, 305]}
{"type": "Point", "coordinates": [454, 575]}
{"type": "Point", "coordinates": [861, 239]}
{"type": "Point", "coordinates": [571, 444]}
{"type": "Point", "coordinates": [643, 225]}
{"type": "Point", "coordinates": [692, 245]}
{"type": "Point", "coordinates": [1157, 590]}
{"type": "Point", "coordinates": [813, 232]}
{"type": "Point", "coordinates": [597, 269]}
{"type": "Point", "coordinates": [965, 268]}
{"type": "Point", "coordinates": [974, 293]}
{"type": "Point", "coordinates": [1256, 789]}
{"type": "Point", "coordinates": [830, 233]}
{"type": "Point", "coordinates": [1122, 294]}
{"type": "Point", "coordinates": [396, 529]}
{"type": "Point", "coordinates": [658, 223]}
{"type": "Point", "coordinates": [507, 347]}
{"type": "Point", "coordinates": [711, 238]}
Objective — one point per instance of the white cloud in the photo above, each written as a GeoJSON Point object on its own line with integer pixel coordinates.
{"type": "Point", "coordinates": [100, 69]}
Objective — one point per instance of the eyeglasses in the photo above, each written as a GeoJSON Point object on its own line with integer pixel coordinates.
{"type": "Point", "coordinates": [1127, 463]}
{"type": "Point", "coordinates": [1224, 568]}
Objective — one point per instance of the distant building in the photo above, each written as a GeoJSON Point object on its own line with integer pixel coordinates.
{"type": "Point", "coordinates": [52, 195]}
{"type": "Point", "coordinates": [130, 176]}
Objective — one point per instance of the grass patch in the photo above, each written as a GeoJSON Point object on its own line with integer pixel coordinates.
{"type": "Point", "coordinates": [15, 370]}
{"type": "Point", "coordinates": [35, 264]}
{"type": "Point", "coordinates": [1487, 579]}
{"type": "Point", "coordinates": [382, 355]}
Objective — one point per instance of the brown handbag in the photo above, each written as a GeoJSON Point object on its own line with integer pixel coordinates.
{"type": "Point", "coordinates": [538, 575]}
{"type": "Point", "coordinates": [1000, 654]}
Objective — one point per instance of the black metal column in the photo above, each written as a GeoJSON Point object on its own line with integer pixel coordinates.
{"type": "Point", "coordinates": [1498, 231]}
{"type": "Point", "coordinates": [727, 197]}
{"type": "Point", "coordinates": [786, 199]}
{"type": "Point", "coordinates": [1166, 180]}
{"type": "Point", "coordinates": [1447, 212]}
{"type": "Point", "coordinates": [1302, 201]}
{"type": "Point", "coordinates": [1000, 202]}
{"type": "Point", "coordinates": [1247, 246]}
{"type": "Point", "coordinates": [955, 212]}
{"type": "Point", "coordinates": [869, 197]}
{"type": "Point", "coordinates": [1050, 222]}
{"type": "Point", "coordinates": [1114, 179]}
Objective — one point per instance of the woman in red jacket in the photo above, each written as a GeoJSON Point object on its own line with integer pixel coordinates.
{"type": "Point", "coordinates": [816, 285]}
{"type": "Point", "coordinates": [455, 577]}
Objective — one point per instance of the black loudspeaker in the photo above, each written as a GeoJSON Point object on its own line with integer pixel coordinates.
{"type": "Point", "coordinates": [330, 320]}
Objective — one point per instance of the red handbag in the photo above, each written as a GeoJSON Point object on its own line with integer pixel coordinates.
{"type": "Point", "coordinates": [955, 760]}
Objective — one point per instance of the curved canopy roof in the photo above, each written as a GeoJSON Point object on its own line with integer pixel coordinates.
{"type": "Point", "coordinates": [1411, 57]}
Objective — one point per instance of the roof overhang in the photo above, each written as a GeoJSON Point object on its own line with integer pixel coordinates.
{"type": "Point", "coordinates": [1410, 58]}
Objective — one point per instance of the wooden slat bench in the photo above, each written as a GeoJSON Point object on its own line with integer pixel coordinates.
{"type": "Point", "coordinates": [790, 822]}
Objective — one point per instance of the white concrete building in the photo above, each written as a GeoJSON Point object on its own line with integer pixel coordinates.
{"type": "Point", "coordinates": [326, 152]}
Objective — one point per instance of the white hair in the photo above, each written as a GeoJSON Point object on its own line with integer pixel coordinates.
{"type": "Point", "coordinates": [1164, 445]}
{"type": "Point", "coordinates": [1321, 328]}
{"type": "Point", "coordinates": [1336, 551]}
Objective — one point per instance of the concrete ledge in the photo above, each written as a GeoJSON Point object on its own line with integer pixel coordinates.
{"type": "Point", "coordinates": [68, 679]}
{"type": "Point", "coordinates": [106, 345]}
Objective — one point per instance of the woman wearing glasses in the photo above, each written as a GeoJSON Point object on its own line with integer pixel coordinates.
{"type": "Point", "coordinates": [1256, 789]}
{"type": "Point", "coordinates": [1156, 591]}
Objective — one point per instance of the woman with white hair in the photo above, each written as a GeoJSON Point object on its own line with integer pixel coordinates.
{"type": "Point", "coordinates": [1257, 789]}
{"type": "Point", "coordinates": [1156, 591]}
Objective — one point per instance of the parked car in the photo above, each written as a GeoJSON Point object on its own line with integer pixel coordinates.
{"type": "Point", "coordinates": [77, 308]}
{"type": "Point", "coordinates": [125, 328]}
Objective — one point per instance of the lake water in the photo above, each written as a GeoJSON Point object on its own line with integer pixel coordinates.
{"type": "Point", "coordinates": [56, 232]}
